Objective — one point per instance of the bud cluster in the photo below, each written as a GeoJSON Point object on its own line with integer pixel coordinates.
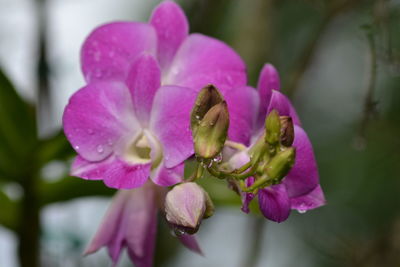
{"type": "Point", "coordinates": [271, 159]}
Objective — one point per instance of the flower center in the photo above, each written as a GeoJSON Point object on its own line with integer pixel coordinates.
{"type": "Point", "coordinates": [144, 149]}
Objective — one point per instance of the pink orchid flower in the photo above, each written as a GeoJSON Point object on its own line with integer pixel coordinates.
{"type": "Point", "coordinates": [131, 120]}
{"type": "Point", "coordinates": [300, 189]}
{"type": "Point", "coordinates": [131, 223]}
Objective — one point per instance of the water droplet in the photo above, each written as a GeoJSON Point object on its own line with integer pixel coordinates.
{"type": "Point", "coordinates": [100, 149]}
{"type": "Point", "coordinates": [301, 211]}
{"type": "Point", "coordinates": [179, 231]}
{"type": "Point", "coordinates": [197, 117]}
{"type": "Point", "coordinates": [218, 158]}
{"type": "Point", "coordinates": [76, 147]}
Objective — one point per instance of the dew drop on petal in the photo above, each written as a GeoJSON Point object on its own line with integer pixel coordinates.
{"type": "Point", "coordinates": [76, 147]}
{"type": "Point", "coordinates": [302, 211]}
{"type": "Point", "coordinates": [100, 149]}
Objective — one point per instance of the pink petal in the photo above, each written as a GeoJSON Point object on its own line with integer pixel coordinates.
{"type": "Point", "coordinates": [140, 225]}
{"type": "Point", "coordinates": [243, 105]}
{"type": "Point", "coordinates": [303, 177]}
{"type": "Point", "coordinates": [143, 81]}
{"type": "Point", "coordinates": [190, 242]}
{"type": "Point", "coordinates": [172, 28]}
{"type": "Point", "coordinates": [170, 121]}
{"type": "Point", "coordinates": [274, 203]}
{"type": "Point", "coordinates": [122, 175]}
{"type": "Point", "coordinates": [110, 49]}
{"type": "Point", "coordinates": [89, 170]}
{"type": "Point", "coordinates": [202, 60]}
{"type": "Point", "coordinates": [115, 172]}
{"type": "Point", "coordinates": [312, 200]}
{"type": "Point", "coordinates": [108, 230]}
{"type": "Point", "coordinates": [164, 176]}
{"type": "Point", "coordinates": [268, 81]}
{"type": "Point", "coordinates": [97, 117]}
{"type": "Point", "coordinates": [282, 104]}
{"type": "Point", "coordinates": [247, 197]}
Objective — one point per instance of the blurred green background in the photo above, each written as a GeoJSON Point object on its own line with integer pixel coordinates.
{"type": "Point", "coordinates": [339, 62]}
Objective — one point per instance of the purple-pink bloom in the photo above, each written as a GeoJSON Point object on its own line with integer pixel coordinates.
{"type": "Point", "coordinates": [131, 223]}
{"type": "Point", "coordinates": [300, 189]}
{"type": "Point", "coordinates": [131, 120]}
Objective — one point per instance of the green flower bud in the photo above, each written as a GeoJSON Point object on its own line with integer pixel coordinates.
{"type": "Point", "coordinates": [208, 97]}
{"type": "Point", "coordinates": [287, 131]}
{"type": "Point", "coordinates": [211, 133]}
{"type": "Point", "coordinates": [280, 165]}
{"type": "Point", "coordinates": [272, 128]}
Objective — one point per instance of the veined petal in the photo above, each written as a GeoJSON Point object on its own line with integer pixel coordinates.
{"type": "Point", "coordinates": [89, 170]}
{"type": "Point", "coordinates": [115, 172]}
{"type": "Point", "coordinates": [243, 103]}
{"type": "Point", "coordinates": [97, 118]}
{"type": "Point", "coordinates": [170, 122]}
{"type": "Point", "coordinates": [143, 81]}
{"type": "Point", "coordinates": [282, 104]}
{"type": "Point", "coordinates": [274, 203]}
{"type": "Point", "coordinates": [203, 60]}
{"type": "Point", "coordinates": [110, 49]}
{"type": "Point", "coordinates": [172, 28]}
{"type": "Point", "coordinates": [123, 175]}
{"type": "Point", "coordinates": [310, 201]}
{"type": "Point", "coordinates": [109, 229]}
{"type": "Point", "coordinates": [303, 177]}
{"type": "Point", "coordinates": [164, 176]}
{"type": "Point", "coordinates": [269, 80]}
{"type": "Point", "coordinates": [190, 242]}
{"type": "Point", "coordinates": [141, 225]}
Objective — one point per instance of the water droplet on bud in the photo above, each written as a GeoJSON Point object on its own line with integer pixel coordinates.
{"type": "Point", "coordinates": [179, 231]}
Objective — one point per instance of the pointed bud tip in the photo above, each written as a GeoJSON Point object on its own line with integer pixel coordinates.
{"type": "Point", "coordinates": [272, 127]}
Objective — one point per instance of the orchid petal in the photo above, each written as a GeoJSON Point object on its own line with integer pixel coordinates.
{"type": "Point", "coordinates": [268, 81]}
{"type": "Point", "coordinates": [303, 177]}
{"type": "Point", "coordinates": [123, 175]}
{"type": "Point", "coordinates": [115, 172]}
{"type": "Point", "coordinates": [143, 81]}
{"type": "Point", "coordinates": [170, 122]}
{"type": "Point", "coordinates": [167, 176]}
{"type": "Point", "coordinates": [109, 50]}
{"type": "Point", "coordinates": [282, 104]}
{"type": "Point", "coordinates": [172, 27]}
{"type": "Point", "coordinates": [107, 232]}
{"type": "Point", "coordinates": [274, 203]}
{"type": "Point", "coordinates": [97, 118]}
{"type": "Point", "coordinates": [243, 105]}
{"type": "Point", "coordinates": [312, 200]}
{"type": "Point", "coordinates": [247, 197]}
{"type": "Point", "coordinates": [203, 60]}
{"type": "Point", "coordinates": [141, 225]}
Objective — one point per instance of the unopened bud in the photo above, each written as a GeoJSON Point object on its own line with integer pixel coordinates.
{"type": "Point", "coordinates": [208, 97]}
{"type": "Point", "coordinates": [272, 128]}
{"type": "Point", "coordinates": [287, 131]}
{"type": "Point", "coordinates": [211, 133]}
{"type": "Point", "coordinates": [186, 205]}
{"type": "Point", "coordinates": [280, 165]}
